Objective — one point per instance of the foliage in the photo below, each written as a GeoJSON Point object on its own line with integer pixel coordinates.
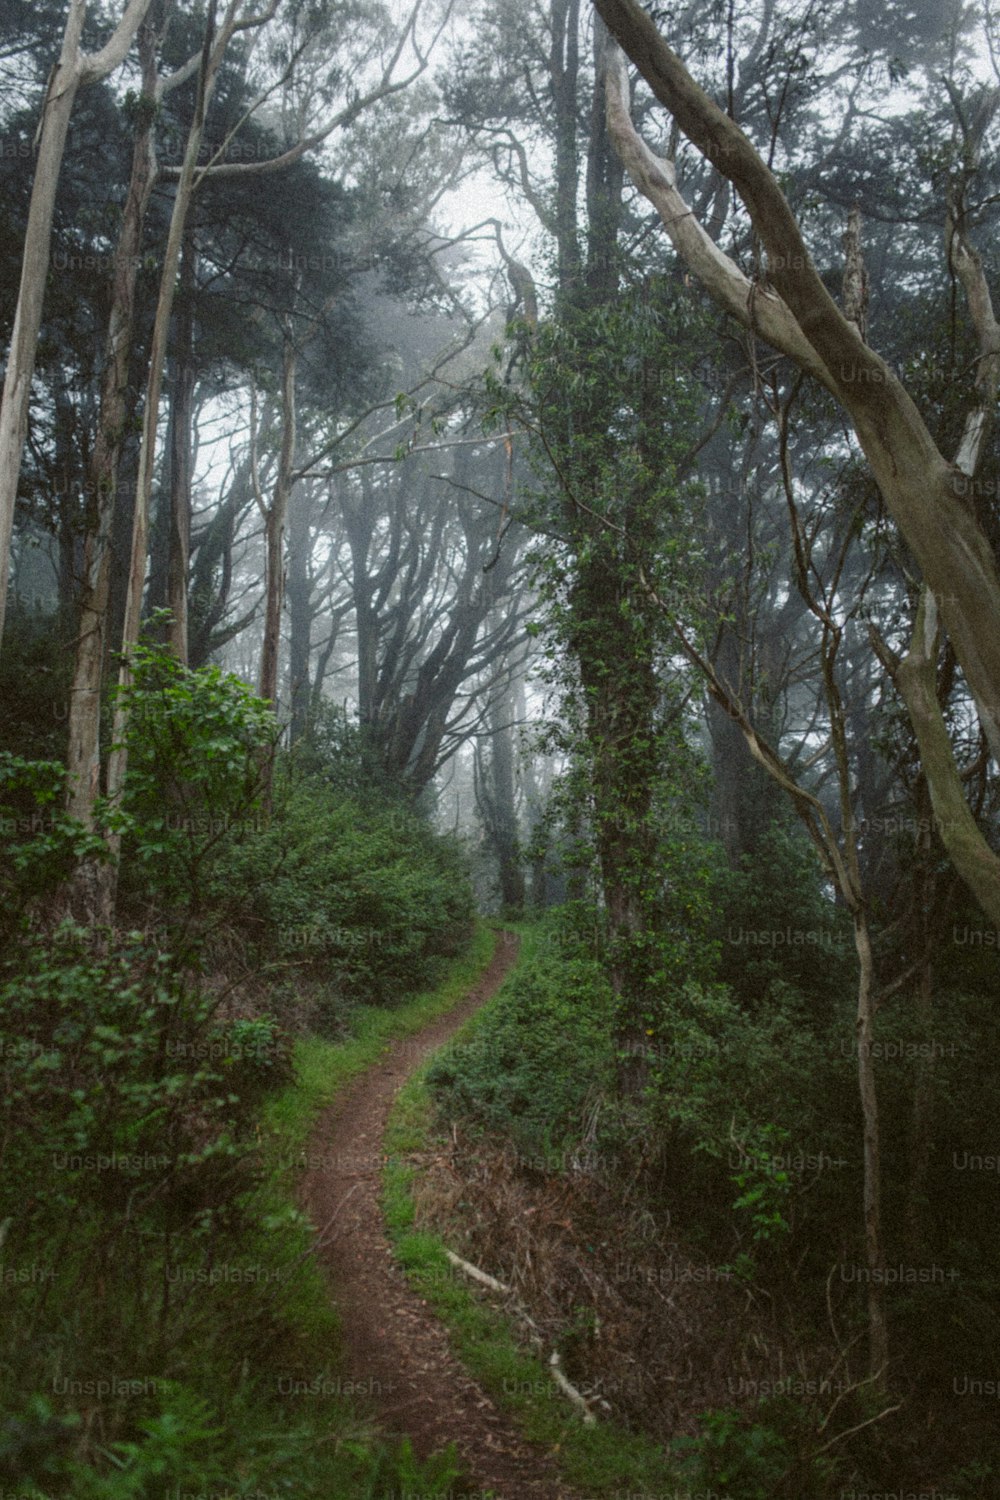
{"type": "Point", "coordinates": [780, 936]}
{"type": "Point", "coordinates": [131, 1159]}
{"type": "Point", "coordinates": [339, 752]}
{"type": "Point", "coordinates": [610, 394]}
{"type": "Point", "coordinates": [41, 844]}
{"type": "Point", "coordinates": [149, 1234]}
{"type": "Point", "coordinates": [198, 745]}
{"type": "Point", "coordinates": [763, 1456]}
{"type": "Point", "coordinates": [541, 1051]}
{"type": "Point", "coordinates": [34, 685]}
{"type": "Point", "coordinates": [365, 894]}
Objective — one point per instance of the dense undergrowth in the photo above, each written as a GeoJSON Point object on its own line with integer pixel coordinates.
{"type": "Point", "coordinates": [744, 1145]}
{"type": "Point", "coordinates": [164, 1326]}
{"type": "Point", "coordinates": [597, 1459]}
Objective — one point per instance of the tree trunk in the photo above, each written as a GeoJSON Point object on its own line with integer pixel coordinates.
{"type": "Point", "coordinates": [564, 68]}
{"type": "Point", "coordinates": [274, 530]}
{"type": "Point", "coordinates": [181, 457]}
{"type": "Point", "coordinates": [496, 798]}
{"type": "Point", "coordinates": [924, 493]}
{"type": "Point", "coordinates": [83, 752]}
{"type": "Point", "coordinates": [878, 1336]}
{"type": "Point", "coordinates": [73, 70]}
{"type": "Point", "coordinates": [210, 62]}
{"type": "Point", "coordinates": [299, 615]}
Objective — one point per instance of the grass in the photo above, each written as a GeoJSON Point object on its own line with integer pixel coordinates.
{"type": "Point", "coordinates": [231, 1427]}
{"type": "Point", "coordinates": [322, 1071]}
{"type": "Point", "coordinates": [598, 1460]}
{"type": "Point", "coordinates": [323, 1068]}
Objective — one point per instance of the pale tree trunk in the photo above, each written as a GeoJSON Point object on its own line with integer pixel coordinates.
{"type": "Point", "coordinates": [300, 616]}
{"type": "Point", "coordinates": [181, 459]}
{"type": "Point", "coordinates": [211, 59]}
{"type": "Point", "coordinates": [83, 750]}
{"type": "Point", "coordinates": [841, 861]}
{"type": "Point", "coordinates": [924, 493]}
{"type": "Point", "coordinates": [83, 756]}
{"type": "Point", "coordinates": [73, 70]}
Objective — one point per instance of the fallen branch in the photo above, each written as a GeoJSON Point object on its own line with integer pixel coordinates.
{"type": "Point", "coordinates": [477, 1275]}
{"type": "Point", "coordinates": [485, 1279]}
{"type": "Point", "coordinates": [589, 1420]}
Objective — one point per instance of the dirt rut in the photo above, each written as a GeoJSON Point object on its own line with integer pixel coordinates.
{"type": "Point", "coordinates": [395, 1350]}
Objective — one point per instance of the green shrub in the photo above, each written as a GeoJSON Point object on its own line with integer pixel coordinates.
{"type": "Point", "coordinates": [40, 844]}
{"type": "Point", "coordinates": [123, 1157]}
{"type": "Point", "coordinates": [761, 1456]}
{"type": "Point", "coordinates": [779, 934]}
{"type": "Point", "coordinates": [36, 667]}
{"type": "Point", "coordinates": [369, 897]}
{"type": "Point", "coordinates": [542, 1050]}
{"type": "Point", "coordinates": [198, 747]}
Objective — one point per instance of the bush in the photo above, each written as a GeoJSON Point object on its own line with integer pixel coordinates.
{"type": "Point", "coordinates": [760, 1456]}
{"type": "Point", "coordinates": [779, 934]}
{"type": "Point", "coordinates": [541, 1051]}
{"type": "Point", "coordinates": [124, 1157]}
{"type": "Point", "coordinates": [199, 744]}
{"type": "Point", "coordinates": [35, 674]}
{"type": "Point", "coordinates": [41, 844]}
{"type": "Point", "coordinates": [369, 897]}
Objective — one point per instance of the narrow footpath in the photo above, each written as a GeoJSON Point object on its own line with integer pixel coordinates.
{"type": "Point", "coordinates": [395, 1350]}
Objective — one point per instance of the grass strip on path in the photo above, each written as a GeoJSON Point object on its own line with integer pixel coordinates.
{"type": "Point", "coordinates": [323, 1067]}
{"type": "Point", "coordinates": [598, 1460]}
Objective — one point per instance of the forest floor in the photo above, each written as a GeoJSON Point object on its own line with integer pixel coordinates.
{"type": "Point", "coordinates": [395, 1352]}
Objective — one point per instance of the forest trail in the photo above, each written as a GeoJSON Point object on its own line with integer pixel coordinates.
{"type": "Point", "coordinates": [395, 1350]}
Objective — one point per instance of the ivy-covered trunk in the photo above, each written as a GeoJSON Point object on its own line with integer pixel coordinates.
{"type": "Point", "coordinates": [612, 641]}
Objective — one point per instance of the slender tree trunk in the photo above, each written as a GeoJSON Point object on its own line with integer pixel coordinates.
{"type": "Point", "coordinates": [878, 1335]}
{"type": "Point", "coordinates": [357, 518]}
{"type": "Point", "coordinates": [564, 69]}
{"type": "Point", "coordinates": [504, 800]}
{"type": "Point", "coordinates": [922, 1138]}
{"type": "Point", "coordinates": [925, 494]}
{"type": "Point", "coordinates": [60, 97]}
{"type": "Point", "coordinates": [83, 750]}
{"type": "Point", "coordinates": [73, 69]}
{"type": "Point", "coordinates": [274, 529]}
{"type": "Point", "coordinates": [496, 797]}
{"type": "Point", "coordinates": [211, 60]}
{"type": "Point", "coordinates": [299, 616]}
{"type": "Point", "coordinates": [181, 444]}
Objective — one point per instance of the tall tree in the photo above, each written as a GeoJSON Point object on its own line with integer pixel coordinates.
{"type": "Point", "coordinates": [74, 70]}
{"type": "Point", "coordinates": [924, 492]}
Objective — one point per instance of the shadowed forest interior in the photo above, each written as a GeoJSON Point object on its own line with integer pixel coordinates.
{"type": "Point", "coordinates": [519, 467]}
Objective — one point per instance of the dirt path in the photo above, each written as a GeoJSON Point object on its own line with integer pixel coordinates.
{"type": "Point", "coordinates": [395, 1350]}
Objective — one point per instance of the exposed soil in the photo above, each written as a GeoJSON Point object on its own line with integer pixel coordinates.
{"type": "Point", "coordinates": [395, 1350]}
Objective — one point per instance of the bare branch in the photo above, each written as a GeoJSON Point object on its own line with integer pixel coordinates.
{"type": "Point", "coordinates": [97, 65]}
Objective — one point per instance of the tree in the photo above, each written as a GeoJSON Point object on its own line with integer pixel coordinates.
{"type": "Point", "coordinates": [74, 70]}
{"type": "Point", "coordinates": [924, 492]}
{"type": "Point", "coordinates": [494, 783]}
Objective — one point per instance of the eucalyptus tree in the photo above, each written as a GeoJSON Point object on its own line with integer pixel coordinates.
{"type": "Point", "coordinates": [74, 70]}
{"type": "Point", "coordinates": [437, 602]}
{"type": "Point", "coordinates": [784, 301]}
{"type": "Point", "coordinates": [222, 134]}
{"type": "Point", "coordinates": [609, 433]}
{"type": "Point", "coordinates": [924, 491]}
